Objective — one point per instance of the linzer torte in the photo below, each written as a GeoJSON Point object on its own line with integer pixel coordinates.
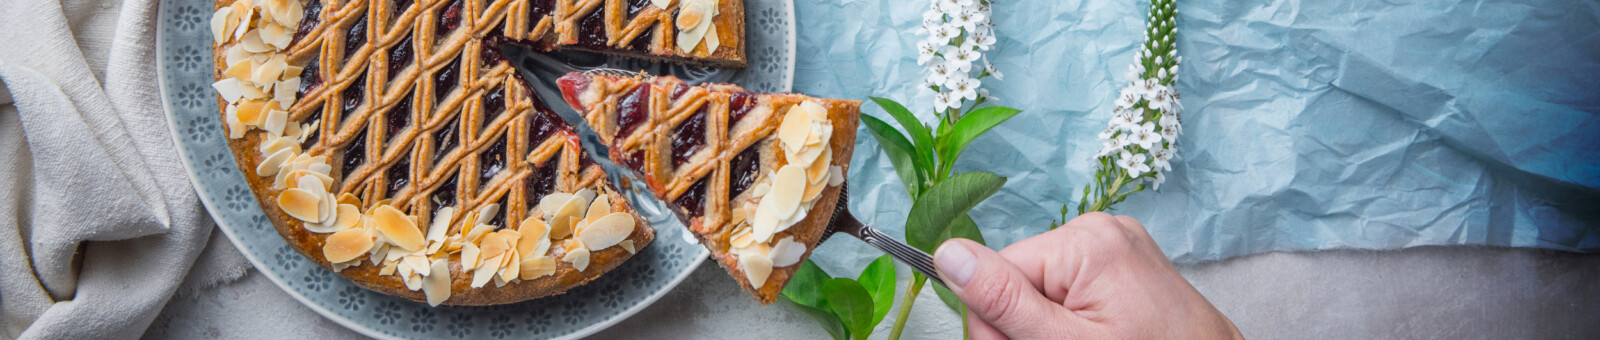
{"type": "Point", "coordinates": [391, 142]}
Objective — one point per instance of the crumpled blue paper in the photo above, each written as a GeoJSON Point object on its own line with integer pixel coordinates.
{"type": "Point", "coordinates": [1309, 124]}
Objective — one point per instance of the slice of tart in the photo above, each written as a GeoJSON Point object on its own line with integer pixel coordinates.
{"type": "Point", "coordinates": [756, 175]}
{"type": "Point", "coordinates": [388, 141]}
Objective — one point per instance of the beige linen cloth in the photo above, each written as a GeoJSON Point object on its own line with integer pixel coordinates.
{"type": "Point", "coordinates": [99, 224]}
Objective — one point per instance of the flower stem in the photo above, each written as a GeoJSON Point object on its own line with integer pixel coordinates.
{"type": "Point", "coordinates": [905, 306]}
{"type": "Point", "coordinates": [1104, 202]}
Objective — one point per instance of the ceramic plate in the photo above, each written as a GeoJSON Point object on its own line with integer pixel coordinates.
{"type": "Point", "coordinates": [183, 56]}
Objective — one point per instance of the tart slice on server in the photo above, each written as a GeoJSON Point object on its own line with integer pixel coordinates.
{"type": "Point", "coordinates": [756, 175]}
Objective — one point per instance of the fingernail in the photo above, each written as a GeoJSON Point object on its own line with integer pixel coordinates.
{"type": "Point", "coordinates": [955, 262]}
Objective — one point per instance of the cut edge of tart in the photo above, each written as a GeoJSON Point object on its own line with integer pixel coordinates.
{"type": "Point", "coordinates": [421, 169]}
{"type": "Point", "coordinates": [756, 175]}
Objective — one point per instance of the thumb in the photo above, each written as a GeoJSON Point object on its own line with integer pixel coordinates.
{"type": "Point", "coordinates": [998, 293]}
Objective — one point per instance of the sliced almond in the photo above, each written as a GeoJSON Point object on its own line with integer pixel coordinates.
{"type": "Point", "coordinates": [578, 257]}
{"type": "Point", "coordinates": [741, 238]}
{"type": "Point", "coordinates": [795, 129]}
{"type": "Point", "coordinates": [549, 204]}
{"type": "Point", "coordinates": [251, 41]}
{"type": "Point", "coordinates": [469, 256]}
{"type": "Point", "coordinates": [441, 224]}
{"type": "Point", "coordinates": [537, 267]}
{"type": "Point", "coordinates": [250, 111]}
{"type": "Point", "coordinates": [229, 89]}
{"type": "Point", "coordinates": [565, 218]}
{"type": "Point", "coordinates": [346, 245]}
{"type": "Point", "coordinates": [348, 198]}
{"type": "Point", "coordinates": [437, 286]}
{"type": "Point", "coordinates": [533, 239]}
{"type": "Point", "coordinates": [241, 70]}
{"type": "Point", "coordinates": [814, 190]}
{"type": "Point", "coordinates": [597, 209]}
{"type": "Point", "coordinates": [628, 245]}
{"type": "Point", "coordinates": [299, 203]}
{"type": "Point", "coordinates": [712, 40]}
{"type": "Point", "coordinates": [273, 163]}
{"type": "Point", "coordinates": [608, 231]}
{"type": "Point", "coordinates": [268, 72]}
{"type": "Point", "coordinates": [761, 189]}
{"type": "Point", "coordinates": [764, 223]}
{"type": "Point", "coordinates": [662, 4]}
{"type": "Point", "coordinates": [804, 155]}
{"type": "Point", "coordinates": [413, 282]}
{"type": "Point", "coordinates": [242, 13]}
{"type": "Point", "coordinates": [493, 245]}
{"type": "Point", "coordinates": [787, 252]}
{"type": "Point", "coordinates": [513, 268]}
{"type": "Point", "coordinates": [691, 13]}
{"type": "Point", "coordinates": [488, 211]}
{"type": "Point", "coordinates": [756, 269]}
{"type": "Point", "coordinates": [787, 188]}
{"type": "Point", "coordinates": [482, 275]}
{"type": "Point", "coordinates": [389, 268]}
{"type": "Point", "coordinates": [276, 36]}
{"type": "Point", "coordinates": [276, 120]}
{"type": "Point", "coordinates": [400, 229]}
{"type": "Point", "coordinates": [252, 91]}
{"type": "Point", "coordinates": [819, 168]}
{"type": "Point", "coordinates": [219, 25]}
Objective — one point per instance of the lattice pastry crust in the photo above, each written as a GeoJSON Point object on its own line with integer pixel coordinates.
{"type": "Point", "coordinates": [720, 153]}
{"type": "Point", "coordinates": [400, 109]}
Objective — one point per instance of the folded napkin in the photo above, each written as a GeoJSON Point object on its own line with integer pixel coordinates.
{"type": "Point", "coordinates": [100, 223]}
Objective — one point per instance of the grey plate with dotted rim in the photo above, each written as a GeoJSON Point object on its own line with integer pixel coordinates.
{"type": "Point", "coordinates": [183, 58]}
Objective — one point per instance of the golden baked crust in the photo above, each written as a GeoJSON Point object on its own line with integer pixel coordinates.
{"type": "Point", "coordinates": [465, 110]}
{"type": "Point", "coordinates": [655, 147]}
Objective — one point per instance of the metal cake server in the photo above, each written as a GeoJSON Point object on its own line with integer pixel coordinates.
{"type": "Point", "coordinates": [846, 223]}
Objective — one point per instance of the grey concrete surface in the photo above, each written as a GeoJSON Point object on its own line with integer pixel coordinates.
{"type": "Point", "coordinates": [1428, 293]}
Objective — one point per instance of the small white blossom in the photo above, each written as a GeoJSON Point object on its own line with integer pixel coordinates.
{"type": "Point", "coordinates": [1128, 97]}
{"type": "Point", "coordinates": [1155, 183]}
{"type": "Point", "coordinates": [960, 58]}
{"type": "Point", "coordinates": [939, 72]}
{"type": "Point", "coordinates": [968, 19]}
{"type": "Point", "coordinates": [1163, 158]}
{"type": "Point", "coordinates": [965, 88]}
{"type": "Point", "coordinates": [1127, 121]}
{"type": "Point", "coordinates": [1160, 100]}
{"type": "Point", "coordinates": [1169, 133]}
{"type": "Point", "coordinates": [1107, 147]}
{"type": "Point", "coordinates": [926, 51]}
{"type": "Point", "coordinates": [946, 32]}
{"type": "Point", "coordinates": [984, 42]}
{"type": "Point", "coordinates": [984, 93]}
{"type": "Point", "coordinates": [1148, 88]}
{"type": "Point", "coordinates": [1132, 163]}
{"type": "Point", "coordinates": [993, 72]}
{"type": "Point", "coordinates": [942, 101]}
{"type": "Point", "coordinates": [1145, 135]}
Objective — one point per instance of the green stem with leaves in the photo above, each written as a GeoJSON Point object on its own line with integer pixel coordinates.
{"type": "Point", "coordinates": [905, 306]}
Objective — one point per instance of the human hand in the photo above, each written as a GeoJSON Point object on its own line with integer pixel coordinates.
{"type": "Point", "coordinates": [1097, 277]}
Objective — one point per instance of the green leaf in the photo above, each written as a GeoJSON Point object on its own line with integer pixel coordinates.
{"type": "Point", "coordinates": [963, 227]}
{"type": "Point", "coordinates": [921, 138]}
{"type": "Point", "coordinates": [950, 300]}
{"type": "Point", "coordinates": [878, 279]}
{"type": "Point", "coordinates": [935, 212]}
{"type": "Point", "coordinates": [828, 321]}
{"type": "Point", "coordinates": [969, 128]}
{"type": "Point", "coordinates": [805, 288]}
{"type": "Point", "coordinates": [900, 154]}
{"type": "Point", "coordinates": [851, 303]}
